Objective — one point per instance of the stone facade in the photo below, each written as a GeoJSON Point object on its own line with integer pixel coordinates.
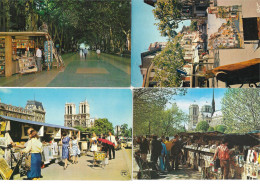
{"type": "Point", "coordinates": [33, 111]}
{"type": "Point", "coordinates": [82, 119]}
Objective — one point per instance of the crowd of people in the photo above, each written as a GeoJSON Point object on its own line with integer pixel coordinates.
{"type": "Point", "coordinates": [70, 150]}
{"type": "Point", "coordinates": [167, 152]}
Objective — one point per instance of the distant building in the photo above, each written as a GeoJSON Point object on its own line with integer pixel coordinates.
{"type": "Point", "coordinates": [117, 130]}
{"type": "Point", "coordinates": [206, 113]}
{"type": "Point", "coordinates": [217, 119]}
{"type": "Point", "coordinates": [146, 67]}
{"type": "Point", "coordinates": [33, 111]}
{"type": "Point", "coordinates": [82, 119]}
{"type": "Point", "coordinates": [195, 8]}
{"type": "Point", "coordinates": [193, 116]}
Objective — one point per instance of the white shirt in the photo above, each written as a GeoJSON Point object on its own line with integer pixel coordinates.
{"type": "Point", "coordinates": [112, 139]}
{"type": "Point", "coordinates": [98, 51]}
{"type": "Point", "coordinates": [33, 146]}
{"type": "Point", "coordinates": [39, 53]}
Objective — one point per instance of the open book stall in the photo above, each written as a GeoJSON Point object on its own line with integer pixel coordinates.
{"type": "Point", "coordinates": [199, 149]}
{"type": "Point", "coordinates": [17, 52]}
{"type": "Point", "coordinates": [15, 130]}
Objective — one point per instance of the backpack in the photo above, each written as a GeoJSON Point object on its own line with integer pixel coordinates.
{"type": "Point", "coordinates": [223, 153]}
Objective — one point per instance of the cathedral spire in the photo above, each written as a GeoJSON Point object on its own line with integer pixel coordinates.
{"type": "Point", "coordinates": [213, 104]}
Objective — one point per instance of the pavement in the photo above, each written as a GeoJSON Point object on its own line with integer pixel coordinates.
{"type": "Point", "coordinates": [106, 71]}
{"type": "Point", "coordinates": [184, 172]}
{"type": "Point", "coordinates": [118, 169]}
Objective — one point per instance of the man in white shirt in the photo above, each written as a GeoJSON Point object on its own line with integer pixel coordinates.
{"type": "Point", "coordinates": [112, 139]}
{"type": "Point", "coordinates": [39, 59]}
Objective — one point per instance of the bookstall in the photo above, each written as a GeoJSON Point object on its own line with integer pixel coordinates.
{"type": "Point", "coordinates": [17, 52]}
{"type": "Point", "coordinates": [15, 130]}
{"type": "Point", "coordinates": [200, 148]}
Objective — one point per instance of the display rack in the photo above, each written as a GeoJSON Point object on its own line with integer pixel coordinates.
{"type": "Point", "coordinates": [2, 56]}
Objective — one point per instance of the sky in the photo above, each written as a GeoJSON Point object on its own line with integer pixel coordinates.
{"type": "Point", "coordinates": [144, 31]}
{"type": "Point", "coordinates": [199, 96]}
{"type": "Point", "coordinates": [113, 104]}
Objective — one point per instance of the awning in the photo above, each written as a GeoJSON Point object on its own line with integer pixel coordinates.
{"type": "Point", "coordinates": [35, 123]}
{"type": "Point", "coordinates": [23, 33]}
{"type": "Point", "coordinates": [238, 73]}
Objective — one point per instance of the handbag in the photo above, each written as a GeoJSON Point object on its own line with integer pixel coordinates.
{"type": "Point", "coordinates": [28, 158]}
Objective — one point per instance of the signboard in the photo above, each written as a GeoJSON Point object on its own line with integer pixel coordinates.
{"type": "Point", "coordinates": [3, 142]}
{"type": "Point", "coordinates": [5, 171]}
{"type": "Point", "coordinates": [2, 126]}
{"type": "Point", "coordinates": [227, 30]}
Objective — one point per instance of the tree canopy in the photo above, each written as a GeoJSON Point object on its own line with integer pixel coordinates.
{"type": "Point", "coordinates": [241, 110]}
{"type": "Point", "coordinates": [101, 24]}
{"type": "Point", "coordinates": [167, 62]}
{"type": "Point", "coordinates": [149, 105]}
{"type": "Point", "coordinates": [102, 126]}
{"type": "Point", "coordinates": [202, 126]}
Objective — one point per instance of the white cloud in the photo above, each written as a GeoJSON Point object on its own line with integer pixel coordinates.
{"type": "Point", "coordinates": [5, 90]}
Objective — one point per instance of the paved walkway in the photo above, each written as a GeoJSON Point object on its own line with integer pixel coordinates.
{"type": "Point", "coordinates": [106, 71]}
{"type": "Point", "coordinates": [184, 172]}
{"type": "Point", "coordinates": [84, 170]}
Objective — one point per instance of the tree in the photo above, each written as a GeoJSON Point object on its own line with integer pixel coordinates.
{"type": "Point", "coordinates": [241, 110]}
{"type": "Point", "coordinates": [194, 25]}
{"type": "Point", "coordinates": [171, 121]}
{"type": "Point", "coordinates": [148, 105]}
{"type": "Point", "coordinates": [202, 126]}
{"type": "Point", "coordinates": [169, 13]}
{"type": "Point", "coordinates": [102, 24]}
{"type": "Point", "coordinates": [220, 128]}
{"type": "Point", "coordinates": [102, 126]}
{"type": "Point", "coordinates": [211, 129]}
{"type": "Point", "coordinates": [167, 64]}
{"type": "Point", "coordinates": [125, 130]}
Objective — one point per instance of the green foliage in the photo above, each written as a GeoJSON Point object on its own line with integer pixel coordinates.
{"type": "Point", "coordinates": [80, 128]}
{"type": "Point", "coordinates": [194, 25]}
{"type": "Point", "coordinates": [102, 126]}
{"type": "Point", "coordinates": [102, 24]}
{"type": "Point", "coordinates": [169, 14]}
{"type": "Point", "coordinates": [241, 110]}
{"type": "Point", "coordinates": [167, 62]}
{"type": "Point", "coordinates": [211, 129]}
{"type": "Point", "coordinates": [149, 105]}
{"type": "Point", "coordinates": [125, 132]}
{"type": "Point", "coordinates": [171, 121]}
{"type": "Point", "coordinates": [202, 126]}
{"type": "Point", "coordinates": [220, 128]}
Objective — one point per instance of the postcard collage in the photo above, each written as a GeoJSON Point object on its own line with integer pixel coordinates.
{"type": "Point", "coordinates": [129, 90]}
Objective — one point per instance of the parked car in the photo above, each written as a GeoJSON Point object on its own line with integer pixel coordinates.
{"type": "Point", "coordinates": [129, 143]}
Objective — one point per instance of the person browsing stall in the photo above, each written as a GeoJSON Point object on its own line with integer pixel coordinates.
{"type": "Point", "coordinates": [39, 59]}
{"type": "Point", "coordinates": [34, 147]}
{"type": "Point", "coordinates": [223, 154]}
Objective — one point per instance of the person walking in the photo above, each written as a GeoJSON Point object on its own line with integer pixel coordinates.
{"type": "Point", "coordinates": [175, 152]}
{"type": "Point", "coordinates": [85, 52]}
{"type": "Point", "coordinates": [65, 149]}
{"type": "Point", "coordinates": [75, 149]}
{"type": "Point", "coordinates": [223, 154]}
{"type": "Point", "coordinates": [94, 145]}
{"type": "Point", "coordinates": [111, 148]}
{"type": "Point", "coordinates": [98, 53]}
{"type": "Point", "coordinates": [144, 148]}
{"type": "Point", "coordinates": [162, 156]}
{"type": "Point", "coordinates": [168, 145]}
{"type": "Point", "coordinates": [156, 148]}
{"type": "Point", "coordinates": [34, 147]}
{"type": "Point", "coordinates": [39, 59]}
